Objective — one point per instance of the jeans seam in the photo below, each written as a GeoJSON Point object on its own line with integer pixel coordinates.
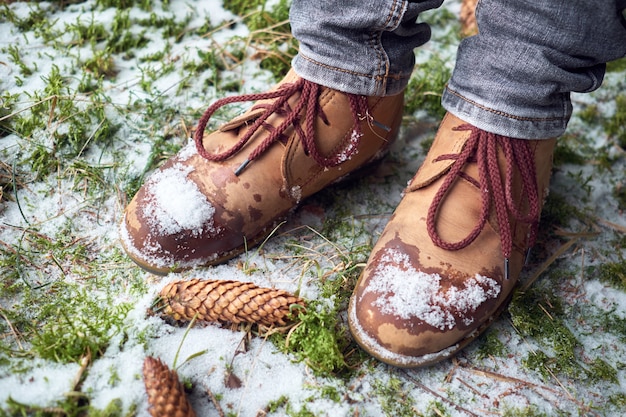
{"type": "Point", "coordinates": [377, 45]}
{"type": "Point", "coordinates": [385, 25]}
{"type": "Point", "coordinates": [501, 113]}
{"type": "Point", "coordinates": [330, 67]}
{"type": "Point", "coordinates": [345, 71]}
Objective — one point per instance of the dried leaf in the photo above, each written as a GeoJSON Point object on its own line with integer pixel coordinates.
{"type": "Point", "coordinates": [231, 380]}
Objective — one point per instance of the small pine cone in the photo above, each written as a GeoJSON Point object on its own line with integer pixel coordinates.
{"type": "Point", "coordinates": [227, 302]}
{"type": "Point", "coordinates": [165, 392]}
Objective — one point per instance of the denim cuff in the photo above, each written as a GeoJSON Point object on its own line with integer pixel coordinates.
{"type": "Point", "coordinates": [363, 47]}
{"type": "Point", "coordinates": [487, 118]}
{"type": "Point", "coordinates": [349, 81]}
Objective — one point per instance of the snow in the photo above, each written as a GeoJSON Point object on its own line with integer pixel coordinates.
{"type": "Point", "coordinates": [409, 294]}
{"type": "Point", "coordinates": [173, 215]}
{"type": "Point", "coordinates": [375, 346]}
{"type": "Point", "coordinates": [46, 382]}
{"type": "Point", "coordinates": [467, 385]}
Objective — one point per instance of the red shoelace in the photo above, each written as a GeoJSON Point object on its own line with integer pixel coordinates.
{"type": "Point", "coordinates": [482, 148]}
{"type": "Point", "coordinates": [307, 105]}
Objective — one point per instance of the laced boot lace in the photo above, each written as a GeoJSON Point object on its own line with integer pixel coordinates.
{"type": "Point", "coordinates": [307, 106]}
{"type": "Point", "coordinates": [482, 148]}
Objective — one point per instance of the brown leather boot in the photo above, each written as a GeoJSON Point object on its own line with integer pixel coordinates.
{"type": "Point", "coordinates": [230, 189]}
{"type": "Point", "coordinates": [449, 258]}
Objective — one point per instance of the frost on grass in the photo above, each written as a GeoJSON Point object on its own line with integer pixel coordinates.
{"type": "Point", "coordinates": [82, 126]}
{"type": "Point", "coordinates": [41, 386]}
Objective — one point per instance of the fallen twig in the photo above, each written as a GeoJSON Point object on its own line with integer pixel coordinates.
{"type": "Point", "coordinates": [439, 396]}
{"type": "Point", "coordinates": [560, 251]}
{"type": "Point", "coordinates": [512, 380]}
{"type": "Point", "coordinates": [216, 403]}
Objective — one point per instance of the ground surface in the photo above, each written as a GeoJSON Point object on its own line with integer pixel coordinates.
{"type": "Point", "coordinates": [96, 94]}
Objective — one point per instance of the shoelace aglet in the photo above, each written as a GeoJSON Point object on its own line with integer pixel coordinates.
{"type": "Point", "coordinates": [380, 125]}
{"type": "Point", "coordinates": [527, 257]}
{"type": "Point", "coordinates": [506, 269]}
{"type": "Point", "coordinates": [243, 166]}
{"type": "Point", "coordinates": [374, 122]}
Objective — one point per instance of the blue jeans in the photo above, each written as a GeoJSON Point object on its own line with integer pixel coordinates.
{"type": "Point", "coordinates": [514, 78]}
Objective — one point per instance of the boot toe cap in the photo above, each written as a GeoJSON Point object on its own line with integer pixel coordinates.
{"type": "Point", "coordinates": [409, 318]}
{"type": "Point", "coordinates": [167, 220]}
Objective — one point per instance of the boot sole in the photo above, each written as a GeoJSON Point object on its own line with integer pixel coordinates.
{"type": "Point", "coordinates": [222, 259]}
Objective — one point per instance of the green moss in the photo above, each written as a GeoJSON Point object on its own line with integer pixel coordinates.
{"type": "Point", "coordinates": [320, 339]}
{"type": "Point", "coordinates": [75, 325]}
{"type": "Point", "coordinates": [538, 314]}
{"type": "Point", "coordinates": [610, 322]}
{"type": "Point", "coordinates": [125, 42]}
{"type": "Point", "coordinates": [283, 407]}
{"type": "Point", "coordinates": [171, 26]}
{"type": "Point", "coordinates": [16, 58]}
{"type": "Point", "coordinates": [72, 405]}
{"type": "Point", "coordinates": [331, 393]}
{"type": "Point", "coordinates": [73, 125]}
{"type": "Point", "coordinates": [42, 161]}
{"type": "Point", "coordinates": [568, 151]}
{"type": "Point", "coordinates": [547, 365]}
{"type": "Point", "coordinates": [394, 397]}
{"type": "Point", "coordinates": [242, 7]}
{"type": "Point", "coordinates": [66, 408]}
{"type": "Point", "coordinates": [101, 64]}
{"type": "Point", "coordinates": [36, 19]}
{"type": "Point", "coordinates": [618, 65]}
{"type": "Point", "coordinates": [612, 273]}
{"type": "Point", "coordinates": [125, 4]}
{"type": "Point", "coordinates": [303, 412]}
{"type": "Point", "coordinates": [491, 345]}
{"type": "Point", "coordinates": [7, 106]}
{"type": "Point", "coordinates": [528, 411]}
{"type": "Point", "coordinates": [10, 266]}
{"type": "Point", "coordinates": [317, 340]}
{"type": "Point", "coordinates": [208, 60]}
{"type": "Point", "coordinates": [87, 33]}
{"type": "Point", "coordinates": [599, 370]}
{"type": "Point", "coordinates": [89, 84]}
{"type": "Point", "coordinates": [618, 401]}
{"type": "Point", "coordinates": [426, 87]}
{"type": "Point", "coordinates": [557, 212]}
{"type": "Point", "coordinates": [163, 147]}
{"type": "Point", "coordinates": [113, 409]}
{"type": "Point", "coordinates": [275, 405]}
{"type": "Point", "coordinates": [62, 321]}
{"type": "Point", "coordinates": [615, 126]}
{"type": "Point", "coordinates": [619, 192]}
{"type": "Point", "coordinates": [89, 177]}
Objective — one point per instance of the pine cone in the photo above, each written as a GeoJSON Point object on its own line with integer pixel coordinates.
{"type": "Point", "coordinates": [227, 302]}
{"type": "Point", "coordinates": [165, 392]}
